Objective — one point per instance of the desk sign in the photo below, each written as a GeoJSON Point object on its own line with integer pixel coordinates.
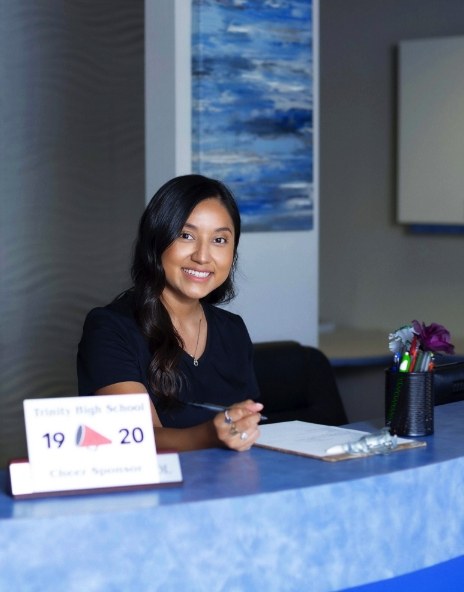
{"type": "Point", "coordinates": [91, 443]}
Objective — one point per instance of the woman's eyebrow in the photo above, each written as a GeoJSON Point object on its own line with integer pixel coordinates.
{"type": "Point", "coordinates": [220, 229]}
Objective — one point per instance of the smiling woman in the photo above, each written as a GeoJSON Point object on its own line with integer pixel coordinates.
{"type": "Point", "coordinates": [164, 336]}
{"type": "Point", "coordinates": [200, 259]}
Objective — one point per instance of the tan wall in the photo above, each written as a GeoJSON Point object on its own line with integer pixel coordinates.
{"type": "Point", "coordinates": [373, 272]}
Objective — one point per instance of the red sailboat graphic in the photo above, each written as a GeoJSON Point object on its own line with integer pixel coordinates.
{"type": "Point", "coordinates": [87, 437]}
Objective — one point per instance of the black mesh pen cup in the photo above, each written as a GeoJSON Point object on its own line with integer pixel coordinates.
{"type": "Point", "coordinates": [409, 403]}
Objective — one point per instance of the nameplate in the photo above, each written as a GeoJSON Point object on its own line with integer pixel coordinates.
{"type": "Point", "coordinates": [170, 473]}
{"type": "Point", "coordinates": [90, 443]}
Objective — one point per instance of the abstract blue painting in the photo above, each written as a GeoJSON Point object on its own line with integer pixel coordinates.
{"type": "Point", "coordinates": [252, 106]}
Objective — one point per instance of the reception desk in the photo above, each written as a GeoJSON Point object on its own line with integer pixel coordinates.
{"type": "Point", "coordinates": [259, 520]}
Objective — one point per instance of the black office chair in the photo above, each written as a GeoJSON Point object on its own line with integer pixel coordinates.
{"type": "Point", "coordinates": [297, 383]}
{"type": "Point", "coordinates": [448, 380]}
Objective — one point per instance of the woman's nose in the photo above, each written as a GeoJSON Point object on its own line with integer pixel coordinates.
{"type": "Point", "coordinates": [202, 253]}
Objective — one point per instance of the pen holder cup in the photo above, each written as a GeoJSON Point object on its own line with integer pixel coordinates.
{"type": "Point", "coordinates": [409, 403]}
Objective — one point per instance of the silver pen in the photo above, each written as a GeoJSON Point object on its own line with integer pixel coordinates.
{"type": "Point", "coordinates": [214, 407]}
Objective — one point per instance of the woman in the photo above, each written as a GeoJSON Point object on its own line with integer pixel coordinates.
{"type": "Point", "coordinates": [165, 337]}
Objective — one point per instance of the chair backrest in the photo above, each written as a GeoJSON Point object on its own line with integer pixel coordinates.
{"type": "Point", "coordinates": [297, 382]}
{"type": "Point", "coordinates": [448, 380]}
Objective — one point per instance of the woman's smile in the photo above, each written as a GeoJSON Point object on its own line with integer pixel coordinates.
{"type": "Point", "coordinates": [201, 275]}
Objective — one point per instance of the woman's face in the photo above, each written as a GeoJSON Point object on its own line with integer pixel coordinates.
{"type": "Point", "coordinates": [200, 259]}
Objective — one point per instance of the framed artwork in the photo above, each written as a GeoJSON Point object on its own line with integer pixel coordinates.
{"type": "Point", "coordinates": [252, 106]}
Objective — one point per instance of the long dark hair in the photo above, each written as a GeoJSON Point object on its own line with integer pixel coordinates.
{"type": "Point", "coordinates": [160, 225]}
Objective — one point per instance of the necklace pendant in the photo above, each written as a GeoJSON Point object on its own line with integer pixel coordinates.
{"type": "Point", "coordinates": [195, 362]}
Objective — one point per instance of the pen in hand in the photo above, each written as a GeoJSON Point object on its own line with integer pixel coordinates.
{"type": "Point", "coordinates": [214, 407]}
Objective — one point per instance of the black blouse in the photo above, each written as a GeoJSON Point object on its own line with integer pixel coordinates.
{"type": "Point", "coordinates": [113, 349]}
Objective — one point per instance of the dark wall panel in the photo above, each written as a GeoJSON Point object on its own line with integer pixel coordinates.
{"type": "Point", "coordinates": [71, 184]}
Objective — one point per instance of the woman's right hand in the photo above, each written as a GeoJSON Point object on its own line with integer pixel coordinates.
{"type": "Point", "coordinates": [238, 427]}
{"type": "Point", "coordinates": [240, 433]}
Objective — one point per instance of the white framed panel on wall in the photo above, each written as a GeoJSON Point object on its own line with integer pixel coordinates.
{"type": "Point", "coordinates": [431, 131]}
{"type": "Point", "coordinates": [277, 276]}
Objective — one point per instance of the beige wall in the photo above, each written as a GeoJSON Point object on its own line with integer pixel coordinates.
{"type": "Point", "coordinates": [373, 272]}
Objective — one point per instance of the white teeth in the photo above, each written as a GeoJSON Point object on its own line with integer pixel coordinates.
{"type": "Point", "coordinates": [198, 274]}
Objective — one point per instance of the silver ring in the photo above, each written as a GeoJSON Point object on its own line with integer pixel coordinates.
{"type": "Point", "coordinates": [243, 436]}
{"type": "Point", "coordinates": [227, 417]}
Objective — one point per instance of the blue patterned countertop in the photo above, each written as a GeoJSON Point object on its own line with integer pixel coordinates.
{"type": "Point", "coordinates": [259, 520]}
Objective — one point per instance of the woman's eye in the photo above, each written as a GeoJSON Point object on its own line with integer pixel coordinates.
{"type": "Point", "coordinates": [185, 235]}
{"type": "Point", "coordinates": [220, 240]}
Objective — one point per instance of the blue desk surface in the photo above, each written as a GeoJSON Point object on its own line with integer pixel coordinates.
{"type": "Point", "coordinates": [259, 520]}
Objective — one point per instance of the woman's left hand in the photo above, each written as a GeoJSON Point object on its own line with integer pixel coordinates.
{"type": "Point", "coordinates": [238, 428]}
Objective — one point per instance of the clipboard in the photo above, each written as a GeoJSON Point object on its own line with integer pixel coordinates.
{"type": "Point", "coordinates": [313, 440]}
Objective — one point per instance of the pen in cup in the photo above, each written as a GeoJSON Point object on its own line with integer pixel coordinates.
{"type": "Point", "coordinates": [214, 407]}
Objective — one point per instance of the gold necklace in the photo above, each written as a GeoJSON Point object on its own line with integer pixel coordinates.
{"type": "Point", "coordinates": [195, 359]}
